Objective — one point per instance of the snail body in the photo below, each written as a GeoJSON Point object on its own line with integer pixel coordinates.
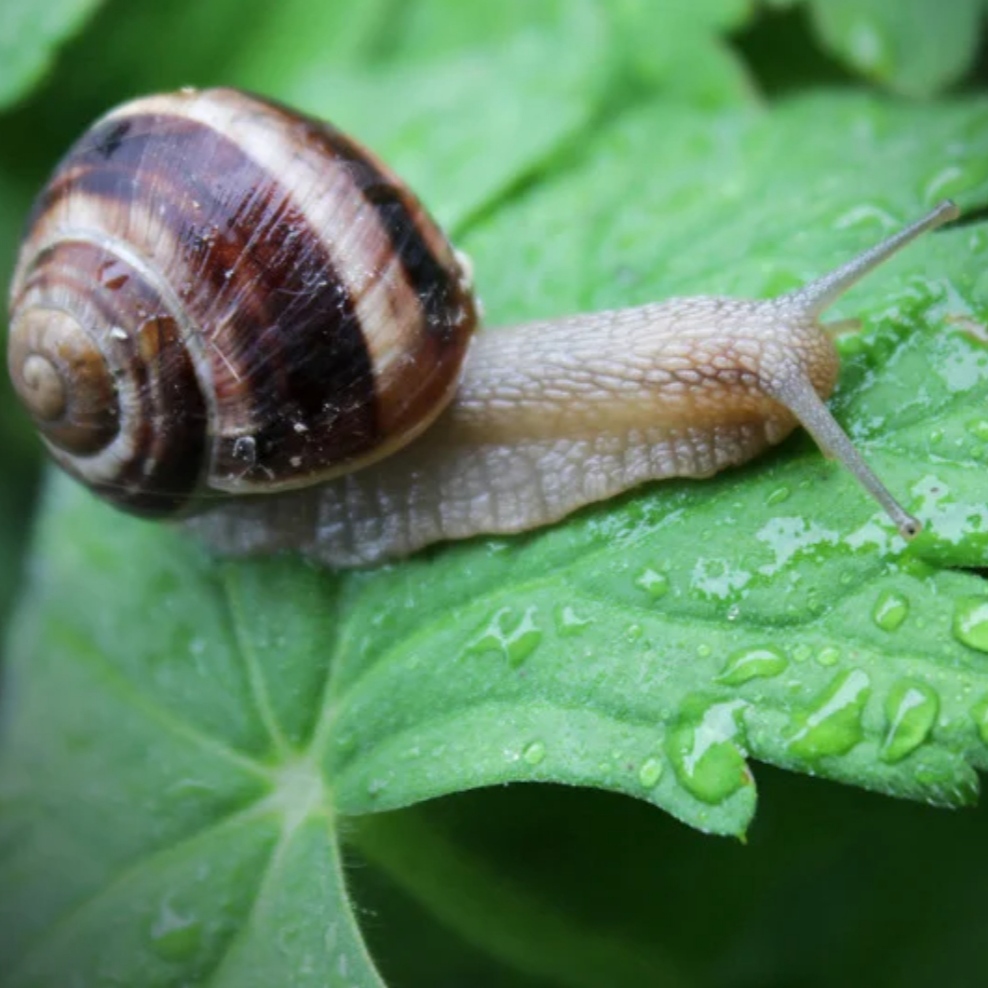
{"type": "Point", "coordinates": [228, 312]}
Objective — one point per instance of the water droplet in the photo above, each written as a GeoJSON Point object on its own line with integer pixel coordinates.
{"type": "Point", "coordinates": [971, 622]}
{"type": "Point", "coordinates": [175, 937]}
{"type": "Point", "coordinates": [707, 759]}
{"type": "Point", "coordinates": [801, 653]}
{"type": "Point", "coordinates": [245, 449]}
{"type": "Point", "coordinates": [753, 663]}
{"type": "Point", "coordinates": [833, 726]}
{"type": "Point", "coordinates": [568, 622]}
{"type": "Point", "coordinates": [514, 636]}
{"type": "Point", "coordinates": [534, 753]}
{"type": "Point", "coordinates": [936, 436]}
{"type": "Point", "coordinates": [777, 496]}
{"type": "Point", "coordinates": [704, 651]}
{"type": "Point", "coordinates": [634, 632]}
{"type": "Point", "coordinates": [979, 429]}
{"type": "Point", "coordinates": [828, 655]}
{"type": "Point", "coordinates": [650, 772]}
{"type": "Point", "coordinates": [911, 709]}
{"type": "Point", "coordinates": [656, 585]}
{"type": "Point", "coordinates": [890, 610]}
{"type": "Point", "coordinates": [733, 612]}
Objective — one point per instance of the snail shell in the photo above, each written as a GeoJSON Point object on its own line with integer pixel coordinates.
{"type": "Point", "coordinates": [219, 296]}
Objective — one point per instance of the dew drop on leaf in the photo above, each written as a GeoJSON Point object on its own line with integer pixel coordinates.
{"type": "Point", "coordinates": [175, 937]}
{"type": "Point", "coordinates": [979, 429]}
{"type": "Point", "coordinates": [970, 625]}
{"type": "Point", "coordinates": [512, 634]}
{"type": "Point", "coordinates": [890, 610]}
{"type": "Point", "coordinates": [655, 584]}
{"type": "Point", "coordinates": [569, 622]}
{"type": "Point", "coordinates": [650, 772]}
{"type": "Point", "coordinates": [777, 496]}
{"type": "Point", "coordinates": [801, 653]}
{"type": "Point", "coordinates": [534, 753]}
{"type": "Point", "coordinates": [704, 750]}
{"type": "Point", "coordinates": [833, 725]}
{"type": "Point", "coordinates": [753, 663]}
{"type": "Point", "coordinates": [911, 710]}
{"type": "Point", "coordinates": [828, 655]}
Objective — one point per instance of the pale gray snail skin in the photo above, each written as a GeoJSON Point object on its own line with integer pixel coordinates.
{"type": "Point", "coordinates": [232, 315]}
{"type": "Point", "coordinates": [552, 415]}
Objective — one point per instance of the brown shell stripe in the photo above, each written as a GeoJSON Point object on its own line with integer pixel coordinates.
{"type": "Point", "coordinates": [163, 450]}
{"type": "Point", "coordinates": [287, 344]}
{"type": "Point", "coordinates": [437, 342]}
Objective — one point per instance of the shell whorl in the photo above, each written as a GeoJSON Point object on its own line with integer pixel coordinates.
{"type": "Point", "coordinates": [217, 295]}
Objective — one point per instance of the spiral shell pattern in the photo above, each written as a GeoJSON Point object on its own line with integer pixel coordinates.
{"type": "Point", "coordinates": [217, 296]}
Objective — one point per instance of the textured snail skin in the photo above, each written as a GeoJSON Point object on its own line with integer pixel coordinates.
{"type": "Point", "coordinates": [551, 416]}
{"type": "Point", "coordinates": [225, 307]}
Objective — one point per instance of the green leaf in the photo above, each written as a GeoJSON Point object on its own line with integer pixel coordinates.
{"type": "Point", "coordinates": [30, 34]}
{"type": "Point", "coordinates": [916, 47]}
{"type": "Point", "coordinates": [259, 703]}
{"type": "Point", "coordinates": [187, 742]}
{"type": "Point", "coordinates": [218, 833]}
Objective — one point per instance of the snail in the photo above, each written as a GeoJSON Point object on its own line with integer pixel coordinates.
{"type": "Point", "coordinates": [232, 314]}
